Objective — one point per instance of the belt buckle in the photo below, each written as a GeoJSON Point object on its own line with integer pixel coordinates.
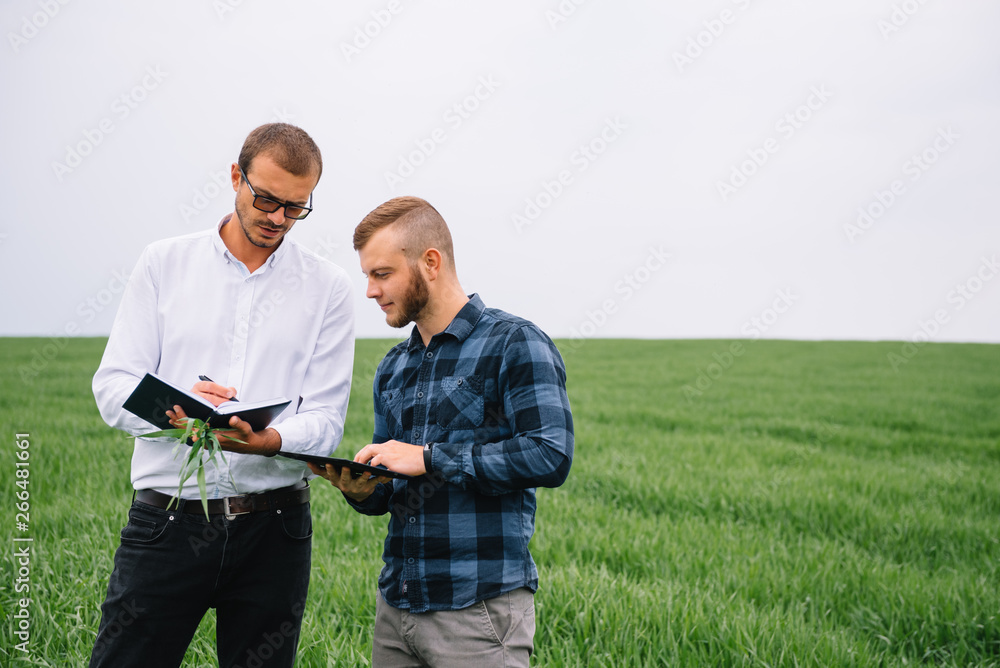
{"type": "Point", "coordinates": [230, 514]}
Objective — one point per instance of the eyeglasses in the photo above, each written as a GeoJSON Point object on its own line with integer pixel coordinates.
{"type": "Point", "coordinates": [268, 205]}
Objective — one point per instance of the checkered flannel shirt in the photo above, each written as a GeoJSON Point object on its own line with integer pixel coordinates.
{"type": "Point", "coordinates": [490, 393]}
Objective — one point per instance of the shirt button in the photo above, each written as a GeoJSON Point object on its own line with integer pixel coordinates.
{"type": "Point", "coordinates": [459, 382]}
{"type": "Point", "coordinates": [420, 395]}
{"type": "Point", "coordinates": [416, 435]}
{"type": "Point", "coordinates": [412, 520]}
{"type": "Point", "coordinates": [429, 355]}
{"type": "Point", "coordinates": [410, 560]}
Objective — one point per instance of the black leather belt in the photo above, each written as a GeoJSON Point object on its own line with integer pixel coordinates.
{"type": "Point", "coordinates": [230, 506]}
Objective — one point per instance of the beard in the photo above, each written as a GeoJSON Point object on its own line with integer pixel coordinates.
{"type": "Point", "coordinates": [413, 302]}
{"type": "Point", "coordinates": [245, 215]}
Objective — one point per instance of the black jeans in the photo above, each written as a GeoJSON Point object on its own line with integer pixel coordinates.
{"type": "Point", "coordinates": [172, 567]}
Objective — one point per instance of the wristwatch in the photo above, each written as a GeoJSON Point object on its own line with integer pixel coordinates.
{"type": "Point", "coordinates": [427, 457]}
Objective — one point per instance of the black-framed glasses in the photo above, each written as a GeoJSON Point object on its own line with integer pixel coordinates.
{"type": "Point", "coordinates": [269, 205]}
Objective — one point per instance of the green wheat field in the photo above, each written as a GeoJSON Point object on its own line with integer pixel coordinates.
{"type": "Point", "coordinates": [799, 504]}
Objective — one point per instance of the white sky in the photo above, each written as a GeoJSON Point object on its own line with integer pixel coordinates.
{"type": "Point", "coordinates": [638, 239]}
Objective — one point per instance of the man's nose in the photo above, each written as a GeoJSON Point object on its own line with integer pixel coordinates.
{"type": "Point", "coordinates": [277, 217]}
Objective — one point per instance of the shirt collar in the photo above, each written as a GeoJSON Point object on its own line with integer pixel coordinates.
{"type": "Point", "coordinates": [460, 327]}
{"type": "Point", "coordinates": [220, 246]}
{"type": "Point", "coordinates": [217, 241]}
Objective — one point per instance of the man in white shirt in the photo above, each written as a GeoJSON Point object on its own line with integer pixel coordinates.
{"type": "Point", "coordinates": [263, 317]}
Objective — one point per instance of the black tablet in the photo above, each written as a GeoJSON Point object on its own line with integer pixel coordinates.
{"type": "Point", "coordinates": [357, 468]}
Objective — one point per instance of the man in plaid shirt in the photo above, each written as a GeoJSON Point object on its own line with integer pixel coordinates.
{"type": "Point", "coordinates": [474, 406]}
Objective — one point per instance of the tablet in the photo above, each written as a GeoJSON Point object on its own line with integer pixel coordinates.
{"type": "Point", "coordinates": [357, 468]}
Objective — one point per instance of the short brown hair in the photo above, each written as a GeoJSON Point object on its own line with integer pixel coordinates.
{"type": "Point", "coordinates": [289, 146]}
{"type": "Point", "coordinates": [420, 225]}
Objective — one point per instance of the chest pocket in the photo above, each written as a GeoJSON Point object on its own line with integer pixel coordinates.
{"type": "Point", "coordinates": [461, 404]}
{"type": "Point", "coordinates": [392, 412]}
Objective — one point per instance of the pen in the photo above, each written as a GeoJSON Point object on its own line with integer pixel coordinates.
{"type": "Point", "coordinates": [203, 377]}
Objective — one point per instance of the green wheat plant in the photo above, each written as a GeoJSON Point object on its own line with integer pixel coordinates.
{"type": "Point", "coordinates": [203, 440]}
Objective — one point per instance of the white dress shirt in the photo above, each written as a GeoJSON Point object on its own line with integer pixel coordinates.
{"type": "Point", "coordinates": [287, 329]}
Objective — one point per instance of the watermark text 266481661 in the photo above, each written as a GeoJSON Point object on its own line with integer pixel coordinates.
{"type": "Point", "coordinates": [22, 542]}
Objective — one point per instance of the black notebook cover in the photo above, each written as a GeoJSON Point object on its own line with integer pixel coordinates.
{"type": "Point", "coordinates": [153, 396]}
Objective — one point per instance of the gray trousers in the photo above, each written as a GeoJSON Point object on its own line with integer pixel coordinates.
{"type": "Point", "coordinates": [497, 632]}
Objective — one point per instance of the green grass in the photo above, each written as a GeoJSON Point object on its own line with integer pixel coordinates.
{"type": "Point", "coordinates": [811, 507]}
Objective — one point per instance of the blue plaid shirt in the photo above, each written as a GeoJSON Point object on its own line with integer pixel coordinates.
{"type": "Point", "coordinates": [490, 393]}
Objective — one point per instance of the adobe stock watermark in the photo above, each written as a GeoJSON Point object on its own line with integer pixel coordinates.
{"type": "Point", "coordinates": [786, 126]}
{"type": "Point", "coordinates": [87, 310]}
{"type": "Point", "coordinates": [121, 108]}
{"type": "Point", "coordinates": [758, 325]}
{"type": "Point", "coordinates": [363, 373]}
{"type": "Point", "coordinates": [582, 158]}
{"type": "Point", "coordinates": [915, 167]}
{"type": "Point", "coordinates": [624, 289]}
{"type": "Point", "coordinates": [33, 24]}
{"type": "Point", "coordinates": [901, 14]}
{"type": "Point", "coordinates": [364, 34]}
{"type": "Point", "coordinates": [753, 328]}
{"type": "Point", "coordinates": [454, 117]}
{"type": "Point", "coordinates": [711, 31]}
{"type": "Point", "coordinates": [267, 305]}
{"type": "Point", "coordinates": [957, 299]}
{"type": "Point", "coordinates": [325, 247]}
{"type": "Point", "coordinates": [219, 182]}
{"type": "Point", "coordinates": [130, 612]}
{"type": "Point", "coordinates": [23, 552]}
{"type": "Point", "coordinates": [225, 7]}
{"type": "Point", "coordinates": [271, 642]}
{"type": "Point", "coordinates": [562, 13]}
{"type": "Point", "coordinates": [416, 496]}
{"type": "Point", "coordinates": [214, 529]}
{"type": "Point", "coordinates": [625, 463]}
{"type": "Point", "coordinates": [826, 433]}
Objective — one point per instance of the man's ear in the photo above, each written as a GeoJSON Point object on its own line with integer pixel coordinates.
{"type": "Point", "coordinates": [431, 263]}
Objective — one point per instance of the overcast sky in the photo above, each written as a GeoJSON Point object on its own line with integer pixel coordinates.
{"type": "Point", "coordinates": [724, 169]}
